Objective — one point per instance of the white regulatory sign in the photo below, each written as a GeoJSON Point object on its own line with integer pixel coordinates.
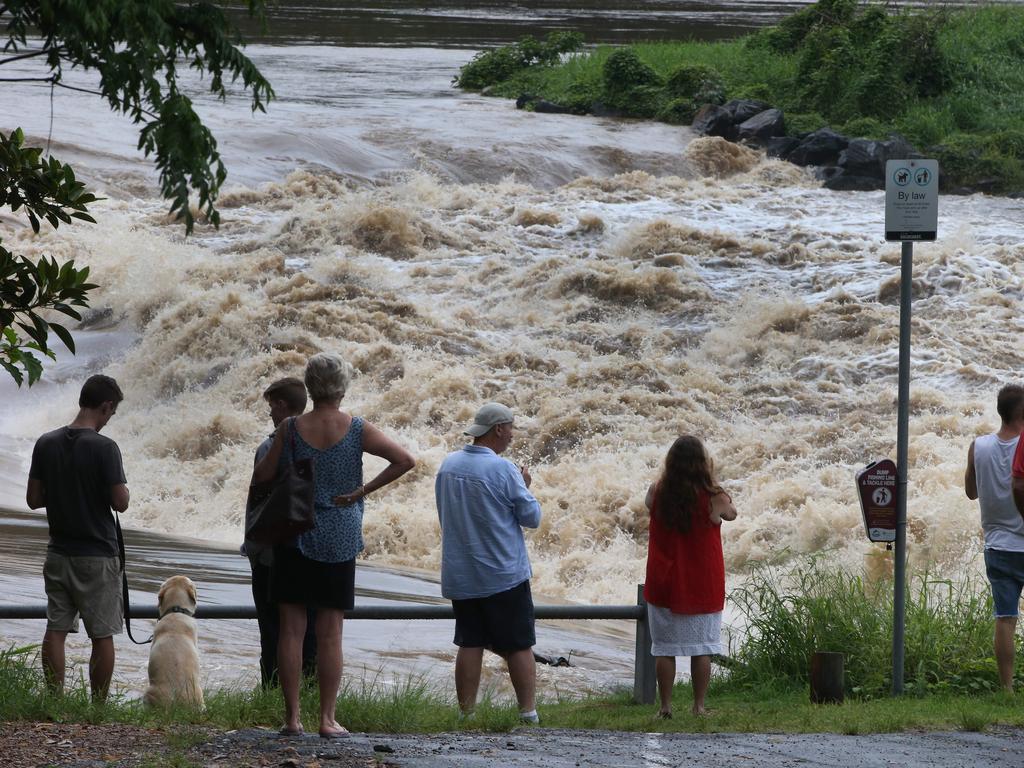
{"type": "Point", "coordinates": [911, 199]}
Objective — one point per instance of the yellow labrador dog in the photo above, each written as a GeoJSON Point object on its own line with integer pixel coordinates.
{"type": "Point", "coordinates": [174, 655]}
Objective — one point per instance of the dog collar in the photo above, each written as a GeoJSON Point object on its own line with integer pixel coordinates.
{"type": "Point", "coordinates": [177, 609]}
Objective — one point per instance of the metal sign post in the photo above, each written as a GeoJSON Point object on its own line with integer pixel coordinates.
{"type": "Point", "coordinates": [911, 213]}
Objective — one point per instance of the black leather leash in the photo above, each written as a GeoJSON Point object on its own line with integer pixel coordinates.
{"type": "Point", "coordinates": [124, 584]}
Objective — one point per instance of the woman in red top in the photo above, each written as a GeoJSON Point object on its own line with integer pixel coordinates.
{"type": "Point", "coordinates": [685, 585]}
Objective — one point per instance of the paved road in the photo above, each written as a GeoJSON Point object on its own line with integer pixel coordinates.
{"type": "Point", "coordinates": [544, 748]}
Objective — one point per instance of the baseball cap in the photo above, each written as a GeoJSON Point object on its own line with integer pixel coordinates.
{"type": "Point", "coordinates": [488, 416]}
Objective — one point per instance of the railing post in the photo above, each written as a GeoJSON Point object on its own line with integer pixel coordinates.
{"type": "Point", "coordinates": [643, 669]}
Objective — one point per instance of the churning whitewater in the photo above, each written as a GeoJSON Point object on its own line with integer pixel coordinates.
{"type": "Point", "coordinates": [734, 299]}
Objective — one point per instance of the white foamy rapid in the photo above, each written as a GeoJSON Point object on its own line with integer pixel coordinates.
{"type": "Point", "coordinates": [616, 283]}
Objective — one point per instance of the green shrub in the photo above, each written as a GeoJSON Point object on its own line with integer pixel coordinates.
{"type": "Point", "coordinates": [988, 161]}
{"type": "Point", "coordinates": [812, 607]}
{"type": "Point", "coordinates": [581, 95]}
{"type": "Point", "coordinates": [925, 127]}
{"type": "Point", "coordinates": [793, 30]}
{"type": "Point", "coordinates": [754, 91]}
{"type": "Point", "coordinates": [696, 83]}
{"type": "Point", "coordinates": [800, 123]}
{"type": "Point", "coordinates": [864, 127]}
{"type": "Point", "coordinates": [629, 84]}
{"type": "Point", "coordinates": [498, 64]}
{"type": "Point", "coordinates": [868, 62]}
{"type": "Point", "coordinates": [678, 111]}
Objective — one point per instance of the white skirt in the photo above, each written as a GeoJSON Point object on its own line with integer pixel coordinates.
{"type": "Point", "coordinates": [676, 634]}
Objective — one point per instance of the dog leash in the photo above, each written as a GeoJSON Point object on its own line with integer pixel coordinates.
{"type": "Point", "coordinates": [124, 584]}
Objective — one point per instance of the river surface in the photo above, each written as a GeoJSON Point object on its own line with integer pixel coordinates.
{"type": "Point", "coordinates": [616, 282]}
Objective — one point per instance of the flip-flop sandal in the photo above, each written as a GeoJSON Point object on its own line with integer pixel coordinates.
{"type": "Point", "coordinates": [342, 734]}
{"type": "Point", "coordinates": [289, 732]}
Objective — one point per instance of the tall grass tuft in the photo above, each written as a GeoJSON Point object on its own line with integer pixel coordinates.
{"type": "Point", "coordinates": [792, 613]}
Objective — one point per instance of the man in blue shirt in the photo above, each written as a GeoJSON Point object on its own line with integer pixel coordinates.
{"type": "Point", "coordinates": [483, 503]}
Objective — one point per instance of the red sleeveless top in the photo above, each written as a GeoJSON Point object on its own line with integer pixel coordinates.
{"type": "Point", "coordinates": [686, 571]}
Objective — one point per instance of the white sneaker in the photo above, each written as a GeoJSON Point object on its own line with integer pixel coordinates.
{"type": "Point", "coordinates": [530, 717]}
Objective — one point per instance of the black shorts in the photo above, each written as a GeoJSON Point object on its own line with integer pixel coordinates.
{"type": "Point", "coordinates": [294, 578]}
{"type": "Point", "coordinates": [502, 622]}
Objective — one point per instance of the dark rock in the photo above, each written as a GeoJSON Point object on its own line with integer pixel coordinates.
{"type": "Point", "coordinates": [826, 172]}
{"type": "Point", "coordinates": [600, 109]}
{"type": "Point", "coordinates": [742, 110]}
{"type": "Point", "coordinates": [550, 108]}
{"type": "Point", "coordinates": [864, 157]}
{"type": "Point", "coordinates": [780, 146]}
{"type": "Point", "coordinates": [713, 120]}
{"type": "Point", "coordinates": [845, 182]}
{"type": "Point", "coordinates": [762, 126]}
{"type": "Point", "coordinates": [821, 147]}
{"type": "Point", "coordinates": [898, 148]}
{"type": "Point", "coordinates": [524, 100]}
{"type": "Point", "coordinates": [383, 748]}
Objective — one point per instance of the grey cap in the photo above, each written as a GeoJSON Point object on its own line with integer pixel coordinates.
{"type": "Point", "coordinates": [488, 416]}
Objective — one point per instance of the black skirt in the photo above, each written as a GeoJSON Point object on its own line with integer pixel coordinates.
{"type": "Point", "coordinates": [294, 578]}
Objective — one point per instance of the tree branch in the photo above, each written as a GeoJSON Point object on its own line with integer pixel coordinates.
{"type": "Point", "coordinates": [30, 54]}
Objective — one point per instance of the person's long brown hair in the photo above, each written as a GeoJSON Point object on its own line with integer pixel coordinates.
{"type": "Point", "coordinates": [687, 471]}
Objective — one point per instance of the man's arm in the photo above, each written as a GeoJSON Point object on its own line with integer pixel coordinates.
{"type": "Point", "coordinates": [119, 497]}
{"type": "Point", "coordinates": [35, 496]}
{"type": "Point", "coordinates": [1018, 477]}
{"type": "Point", "coordinates": [524, 506]}
{"type": "Point", "coordinates": [971, 479]}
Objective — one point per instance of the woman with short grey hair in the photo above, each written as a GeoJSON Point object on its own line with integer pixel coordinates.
{"type": "Point", "coordinates": [327, 376]}
{"type": "Point", "coordinates": [317, 568]}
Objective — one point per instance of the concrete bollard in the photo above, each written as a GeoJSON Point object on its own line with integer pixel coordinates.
{"type": "Point", "coordinates": [827, 677]}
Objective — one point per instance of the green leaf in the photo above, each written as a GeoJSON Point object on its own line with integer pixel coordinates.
{"type": "Point", "coordinates": [64, 336]}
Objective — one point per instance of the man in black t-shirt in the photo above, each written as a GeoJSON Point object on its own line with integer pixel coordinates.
{"type": "Point", "coordinates": [77, 475]}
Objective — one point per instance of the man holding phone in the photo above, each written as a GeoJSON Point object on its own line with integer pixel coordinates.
{"type": "Point", "coordinates": [483, 503]}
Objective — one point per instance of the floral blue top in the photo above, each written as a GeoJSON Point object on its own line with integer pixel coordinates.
{"type": "Point", "coordinates": [338, 534]}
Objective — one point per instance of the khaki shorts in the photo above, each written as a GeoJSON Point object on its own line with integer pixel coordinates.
{"type": "Point", "coordinates": [89, 586]}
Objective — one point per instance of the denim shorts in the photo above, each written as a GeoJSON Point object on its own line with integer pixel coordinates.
{"type": "Point", "coordinates": [1005, 571]}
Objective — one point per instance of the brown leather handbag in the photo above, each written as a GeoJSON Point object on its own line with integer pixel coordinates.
{"type": "Point", "coordinates": [283, 508]}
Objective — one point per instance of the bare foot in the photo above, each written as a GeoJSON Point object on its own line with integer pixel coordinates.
{"type": "Point", "coordinates": [333, 730]}
{"type": "Point", "coordinates": [700, 711]}
{"type": "Point", "coordinates": [665, 714]}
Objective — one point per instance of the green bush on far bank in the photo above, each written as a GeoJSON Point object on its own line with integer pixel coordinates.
{"type": "Point", "coordinates": [950, 80]}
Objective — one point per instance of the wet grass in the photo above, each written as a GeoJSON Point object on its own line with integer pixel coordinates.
{"type": "Point", "coordinates": [790, 711]}
{"type": "Point", "coordinates": [789, 611]}
{"type": "Point", "coordinates": [412, 707]}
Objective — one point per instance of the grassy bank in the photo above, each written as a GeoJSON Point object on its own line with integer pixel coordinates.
{"type": "Point", "coordinates": [790, 612]}
{"type": "Point", "coordinates": [413, 709]}
{"type": "Point", "coordinates": [950, 81]}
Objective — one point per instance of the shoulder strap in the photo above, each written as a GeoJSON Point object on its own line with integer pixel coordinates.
{"type": "Point", "coordinates": [124, 583]}
{"type": "Point", "coordinates": [292, 429]}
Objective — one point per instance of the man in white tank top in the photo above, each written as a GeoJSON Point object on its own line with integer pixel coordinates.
{"type": "Point", "coordinates": [990, 478]}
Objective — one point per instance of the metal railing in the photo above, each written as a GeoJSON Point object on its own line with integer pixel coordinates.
{"type": "Point", "coordinates": [643, 664]}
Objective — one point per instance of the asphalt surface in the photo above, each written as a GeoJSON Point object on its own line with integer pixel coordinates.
{"type": "Point", "coordinates": [544, 748]}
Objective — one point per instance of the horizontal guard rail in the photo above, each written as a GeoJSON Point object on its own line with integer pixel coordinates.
{"type": "Point", "coordinates": [643, 671]}
{"type": "Point", "coordinates": [408, 612]}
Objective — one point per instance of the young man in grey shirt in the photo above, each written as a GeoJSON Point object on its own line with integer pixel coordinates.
{"type": "Point", "coordinates": [483, 503]}
{"type": "Point", "coordinates": [989, 480]}
{"type": "Point", "coordinates": [77, 475]}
